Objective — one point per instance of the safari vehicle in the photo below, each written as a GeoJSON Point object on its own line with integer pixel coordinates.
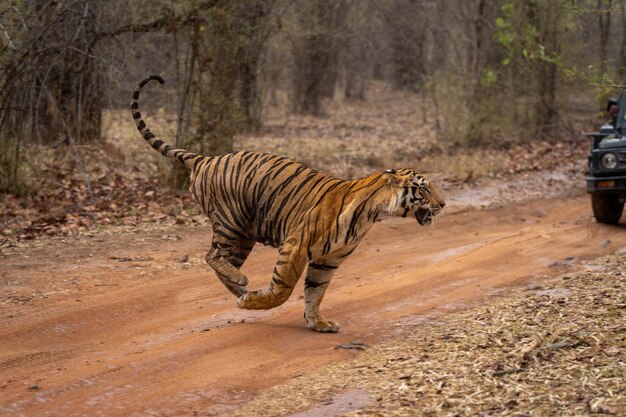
{"type": "Point", "coordinates": [606, 180]}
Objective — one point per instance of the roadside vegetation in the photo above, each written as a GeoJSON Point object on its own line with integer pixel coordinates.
{"type": "Point", "coordinates": [462, 88]}
{"type": "Point", "coordinates": [556, 347]}
{"type": "Point", "coordinates": [128, 181]}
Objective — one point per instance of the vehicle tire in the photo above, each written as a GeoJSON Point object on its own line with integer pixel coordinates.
{"type": "Point", "coordinates": [607, 208]}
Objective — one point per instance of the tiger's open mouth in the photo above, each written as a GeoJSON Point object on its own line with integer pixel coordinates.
{"type": "Point", "coordinates": [424, 216]}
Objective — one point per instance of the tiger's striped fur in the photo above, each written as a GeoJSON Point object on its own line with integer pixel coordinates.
{"type": "Point", "coordinates": [315, 220]}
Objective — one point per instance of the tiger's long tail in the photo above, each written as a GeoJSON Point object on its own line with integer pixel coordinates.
{"type": "Point", "coordinates": [183, 156]}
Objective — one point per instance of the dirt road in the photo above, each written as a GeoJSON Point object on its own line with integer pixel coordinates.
{"type": "Point", "coordinates": [136, 324]}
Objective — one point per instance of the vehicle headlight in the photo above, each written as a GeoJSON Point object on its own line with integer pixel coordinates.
{"type": "Point", "coordinates": [609, 161]}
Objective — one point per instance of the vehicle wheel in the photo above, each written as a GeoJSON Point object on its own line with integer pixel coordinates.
{"type": "Point", "coordinates": [606, 208]}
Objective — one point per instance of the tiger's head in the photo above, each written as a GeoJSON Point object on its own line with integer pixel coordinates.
{"type": "Point", "coordinates": [414, 195]}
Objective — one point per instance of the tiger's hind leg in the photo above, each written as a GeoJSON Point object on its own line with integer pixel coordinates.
{"type": "Point", "coordinates": [291, 262]}
{"type": "Point", "coordinates": [226, 257]}
{"type": "Point", "coordinates": [318, 277]}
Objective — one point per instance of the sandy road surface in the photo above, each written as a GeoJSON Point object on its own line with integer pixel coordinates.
{"type": "Point", "coordinates": [119, 326]}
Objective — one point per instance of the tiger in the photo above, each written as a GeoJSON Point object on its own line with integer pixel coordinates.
{"type": "Point", "coordinates": [316, 221]}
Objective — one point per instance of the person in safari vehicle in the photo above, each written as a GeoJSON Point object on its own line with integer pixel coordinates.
{"type": "Point", "coordinates": [606, 180]}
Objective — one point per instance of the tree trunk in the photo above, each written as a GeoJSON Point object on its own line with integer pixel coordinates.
{"type": "Point", "coordinates": [546, 21]}
{"type": "Point", "coordinates": [357, 71]}
{"type": "Point", "coordinates": [408, 37]}
{"type": "Point", "coordinates": [315, 55]}
{"type": "Point", "coordinates": [604, 22]}
{"type": "Point", "coordinates": [622, 69]}
{"type": "Point", "coordinates": [251, 22]}
{"type": "Point", "coordinates": [217, 113]}
{"type": "Point", "coordinates": [479, 27]}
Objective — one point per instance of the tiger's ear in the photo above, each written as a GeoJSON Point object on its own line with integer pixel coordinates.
{"type": "Point", "coordinates": [393, 178]}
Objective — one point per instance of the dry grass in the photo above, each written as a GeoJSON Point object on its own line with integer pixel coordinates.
{"type": "Point", "coordinates": [552, 349]}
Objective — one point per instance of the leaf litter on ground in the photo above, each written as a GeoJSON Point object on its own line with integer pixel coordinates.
{"type": "Point", "coordinates": [560, 351]}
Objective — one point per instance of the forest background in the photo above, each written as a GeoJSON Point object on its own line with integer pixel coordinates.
{"type": "Point", "coordinates": [477, 76]}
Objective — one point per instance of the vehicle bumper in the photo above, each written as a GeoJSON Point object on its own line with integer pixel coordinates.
{"type": "Point", "coordinates": [616, 185]}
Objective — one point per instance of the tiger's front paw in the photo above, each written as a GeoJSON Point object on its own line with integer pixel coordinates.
{"type": "Point", "coordinates": [324, 326]}
{"type": "Point", "coordinates": [249, 301]}
{"type": "Point", "coordinates": [259, 300]}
